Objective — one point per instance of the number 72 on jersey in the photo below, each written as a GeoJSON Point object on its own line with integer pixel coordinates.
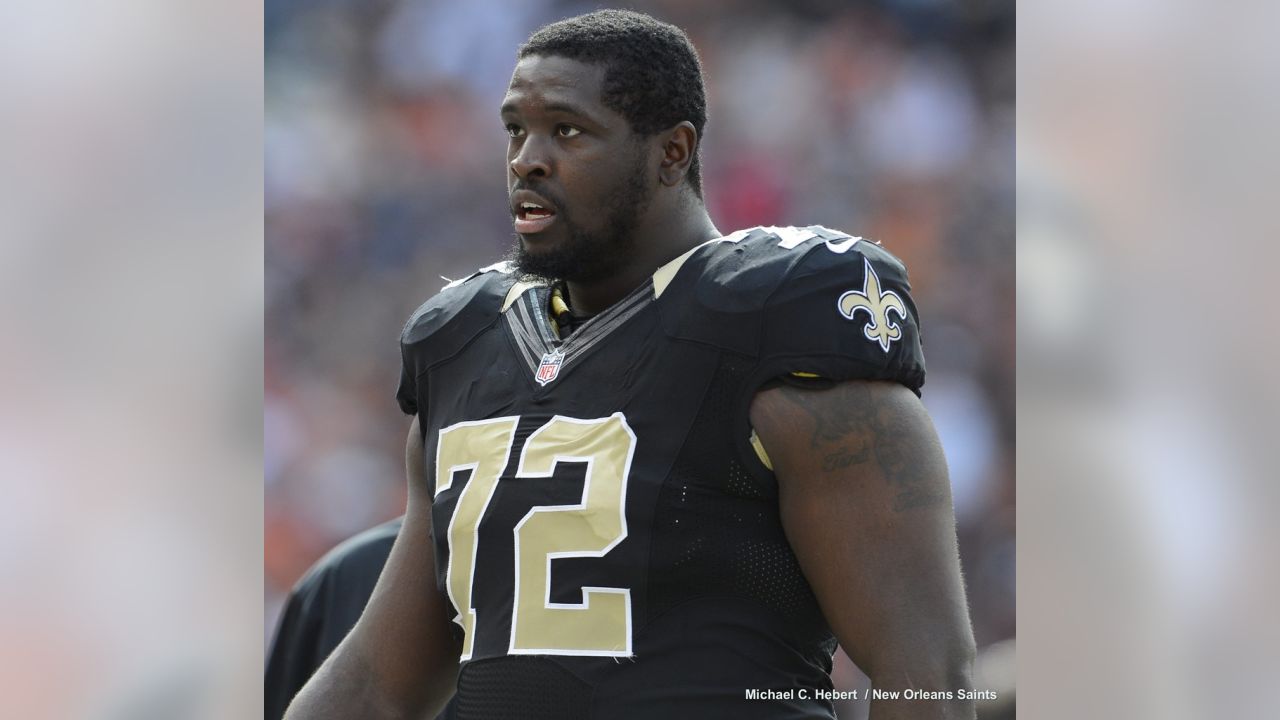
{"type": "Point", "coordinates": [599, 625]}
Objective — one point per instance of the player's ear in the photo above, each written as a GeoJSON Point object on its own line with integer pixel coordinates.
{"type": "Point", "coordinates": [679, 145]}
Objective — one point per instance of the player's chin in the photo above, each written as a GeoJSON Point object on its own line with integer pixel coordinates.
{"type": "Point", "coordinates": [543, 241]}
{"type": "Point", "coordinates": [538, 254]}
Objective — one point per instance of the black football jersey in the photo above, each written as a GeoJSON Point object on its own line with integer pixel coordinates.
{"type": "Point", "coordinates": [606, 531]}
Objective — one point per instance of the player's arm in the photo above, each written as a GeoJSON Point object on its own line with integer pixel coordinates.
{"type": "Point", "coordinates": [401, 659]}
{"type": "Point", "coordinates": [866, 505]}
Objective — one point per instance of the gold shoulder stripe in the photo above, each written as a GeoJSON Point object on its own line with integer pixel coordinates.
{"type": "Point", "coordinates": [663, 276]}
{"type": "Point", "coordinates": [759, 448]}
{"type": "Point", "coordinates": [516, 291]}
{"type": "Point", "coordinates": [805, 375]}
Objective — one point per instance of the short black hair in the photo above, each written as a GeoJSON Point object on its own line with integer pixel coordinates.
{"type": "Point", "coordinates": [653, 76]}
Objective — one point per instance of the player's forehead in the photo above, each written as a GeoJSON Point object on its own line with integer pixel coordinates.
{"type": "Point", "coordinates": [540, 81]}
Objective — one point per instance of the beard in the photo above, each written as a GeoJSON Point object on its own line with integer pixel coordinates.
{"type": "Point", "coordinates": [588, 256]}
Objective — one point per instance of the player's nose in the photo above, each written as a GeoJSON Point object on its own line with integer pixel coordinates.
{"type": "Point", "coordinates": [531, 160]}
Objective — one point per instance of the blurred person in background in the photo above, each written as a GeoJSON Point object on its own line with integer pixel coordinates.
{"type": "Point", "coordinates": [320, 611]}
{"type": "Point", "coordinates": [717, 438]}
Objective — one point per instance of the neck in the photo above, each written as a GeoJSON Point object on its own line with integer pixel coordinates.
{"type": "Point", "coordinates": [654, 247]}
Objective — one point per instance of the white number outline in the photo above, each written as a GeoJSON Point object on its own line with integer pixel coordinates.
{"type": "Point", "coordinates": [587, 590]}
{"type": "Point", "coordinates": [444, 481]}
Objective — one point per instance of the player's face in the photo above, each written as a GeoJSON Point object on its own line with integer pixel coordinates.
{"type": "Point", "coordinates": [577, 175]}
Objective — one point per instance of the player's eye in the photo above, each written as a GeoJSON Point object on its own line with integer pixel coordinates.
{"type": "Point", "coordinates": [514, 130]}
{"type": "Point", "coordinates": [567, 131]}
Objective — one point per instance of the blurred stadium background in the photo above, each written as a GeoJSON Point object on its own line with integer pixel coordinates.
{"type": "Point", "coordinates": [893, 120]}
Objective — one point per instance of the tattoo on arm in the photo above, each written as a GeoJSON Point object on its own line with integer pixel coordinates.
{"type": "Point", "coordinates": [859, 428]}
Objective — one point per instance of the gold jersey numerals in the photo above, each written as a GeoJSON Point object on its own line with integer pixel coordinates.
{"type": "Point", "coordinates": [599, 625]}
{"type": "Point", "coordinates": [481, 447]}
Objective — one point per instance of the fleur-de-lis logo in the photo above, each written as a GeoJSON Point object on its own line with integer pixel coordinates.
{"type": "Point", "coordinates": [879, 327]}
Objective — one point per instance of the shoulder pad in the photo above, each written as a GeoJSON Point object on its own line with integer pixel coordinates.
{"type": "Point", "coordinates": [458, 302]}
{"type": "Point", "coordinates": [722, 287]}
{"type": "Point", "coordinates": [443, 325]}
{"type": "Point", "coordinates": [805, 300]}
{"type": "Point", "coordinates": [716, 296]}
{"type": "Point", "coordinates": [842, 315]}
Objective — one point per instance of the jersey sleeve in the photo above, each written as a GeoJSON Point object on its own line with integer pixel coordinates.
{"type": "Point", "coordinates": [407, 391]}
{"type": "Point", "coordinates": [443, 325]}
{"type": "Point", "coordinates": [843, 312]}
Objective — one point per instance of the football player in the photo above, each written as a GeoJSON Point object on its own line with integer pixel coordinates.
{"type": "Point", "coordinates": [656, 470]}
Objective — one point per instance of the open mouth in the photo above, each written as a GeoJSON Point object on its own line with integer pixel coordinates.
{"type": "Point", "coordinates": [532, 218]}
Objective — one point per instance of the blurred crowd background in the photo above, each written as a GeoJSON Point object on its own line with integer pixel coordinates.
{"type": "Point", "coordinates": [384, 173]}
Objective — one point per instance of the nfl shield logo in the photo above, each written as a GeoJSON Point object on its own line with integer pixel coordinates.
{"type": "Point", "coordinates": [550, 367]}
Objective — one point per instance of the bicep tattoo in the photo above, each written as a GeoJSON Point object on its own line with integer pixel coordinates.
{"type": "Point", "coordinates": [857, 424]}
